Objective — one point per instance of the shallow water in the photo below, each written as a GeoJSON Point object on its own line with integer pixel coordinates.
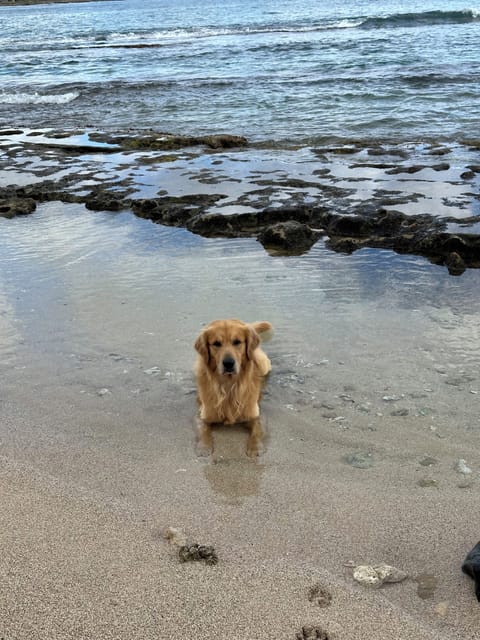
{"type": "Point", "coordinates": [76, 284]}
{"type": "Point", "coordinates": [99, 312]}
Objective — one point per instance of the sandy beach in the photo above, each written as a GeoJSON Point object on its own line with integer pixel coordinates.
{"type": "Point", "coordinates": [90, 481]}
{"type": "Point", "coordinates": [371, 404]}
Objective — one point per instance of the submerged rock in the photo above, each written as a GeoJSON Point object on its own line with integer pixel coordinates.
{"type": "Point", "coordinates": [471, 566]}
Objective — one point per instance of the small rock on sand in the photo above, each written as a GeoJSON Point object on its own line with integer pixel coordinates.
{"type": "Point", "coordinates": [461, 467]}
{"type": "Point", "coordinates": [376, 575]}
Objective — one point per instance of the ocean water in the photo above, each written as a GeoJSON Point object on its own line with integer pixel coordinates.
{"type": "Point", "coordinates": [282, 71]}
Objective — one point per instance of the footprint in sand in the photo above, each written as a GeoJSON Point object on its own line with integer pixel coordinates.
{"type": "Point", "coordinates": [312, 633]}
{"type": "Point", "coordinates": [319, 595]}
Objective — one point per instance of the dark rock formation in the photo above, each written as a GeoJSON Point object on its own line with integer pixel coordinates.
{"type": "Point", "coordinates": [158, 141]}
{"type": "Point", "coordinates": [104, 201]}
{"type": "Point", "coordinates": [455, 264]}
{"type": "Point", "coordinates": [173, 211]}
{"type": "Point", "coordinates": [289, 237]}
{"type": "Point", "coordinates": [290, 229]}
{"type": "Point", "coordinates": [9, 208]}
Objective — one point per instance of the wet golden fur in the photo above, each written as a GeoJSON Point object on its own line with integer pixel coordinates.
{"type": "Point", "coordinates": [226, 396]}
{"type": "Point", "coordinates": [230, 372]}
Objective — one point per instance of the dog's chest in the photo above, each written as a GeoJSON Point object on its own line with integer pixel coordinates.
{"type": "Point", "coordinates": [230, 404]}
{"type": "Point", "coordinates": [227, 403]}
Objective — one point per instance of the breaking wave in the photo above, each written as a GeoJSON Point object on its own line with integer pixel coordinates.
{"type": "Point", "coordinates": [165, 37]}
{"type": "Point", "coordinates": [422, 18]}
{"type": "Point", "coordinates": [37, 98]}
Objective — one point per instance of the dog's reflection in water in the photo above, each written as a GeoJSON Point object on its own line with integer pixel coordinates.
{"type": "Point", "coordinates": [205, 438]}
{"type": "Point", "coordinates": [231, 475]}
{"type": "Point", "coordinates": [230, 372]}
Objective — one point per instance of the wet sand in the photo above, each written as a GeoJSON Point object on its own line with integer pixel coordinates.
{"type": "Point", "coordinates": [372, 353]}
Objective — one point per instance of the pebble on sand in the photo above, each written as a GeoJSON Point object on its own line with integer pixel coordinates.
{"type": "Point", "coordinates": [461, 467]}
{"type": "Point", "coordinates": [376, 575]}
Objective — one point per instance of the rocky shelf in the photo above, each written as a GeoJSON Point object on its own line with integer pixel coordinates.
{"type": "Point", "coordinates": [281, 230]}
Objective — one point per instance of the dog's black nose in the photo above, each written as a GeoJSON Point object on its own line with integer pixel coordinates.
{"type": "Point", "coordinates": [228, 364]}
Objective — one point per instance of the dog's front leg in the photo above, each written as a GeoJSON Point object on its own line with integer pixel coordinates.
{"type": "Point", "coordinates": [204, 437]}
{"type": "Point", "coordinates": [255, 437]}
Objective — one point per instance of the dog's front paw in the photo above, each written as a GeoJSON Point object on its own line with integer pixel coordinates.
{"type": "Point", "coordinates": [254, 451]}
{"type": "Point", "coordinates": [254, 447]}
{"type": "Point", "coordinates": [203, 450]}
{"type": "Point", "coordinates": [255, 438]}
{"type": "Point", "coordinates": [204, 443]}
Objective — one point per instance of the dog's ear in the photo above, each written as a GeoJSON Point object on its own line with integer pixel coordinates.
{"type": "Point", "coordinates": [201, 345]}
{"type": "Point", "coordinates": [252, 341]}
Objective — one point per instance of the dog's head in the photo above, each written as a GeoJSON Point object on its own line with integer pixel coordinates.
{"type": "Point", "coordinates": [227, 345]}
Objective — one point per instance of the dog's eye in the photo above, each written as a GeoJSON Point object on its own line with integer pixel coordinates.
{"type": "Point", "coordinates": [236, 342]}
{"type": "Point", "coordinates": [217, 343]}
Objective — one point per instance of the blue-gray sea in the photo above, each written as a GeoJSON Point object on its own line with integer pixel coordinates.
{"type": "Point", "coordinates": [275, 70]}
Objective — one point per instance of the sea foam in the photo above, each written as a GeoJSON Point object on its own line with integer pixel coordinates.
{"type": "Point", "coordinates": [37, 98]}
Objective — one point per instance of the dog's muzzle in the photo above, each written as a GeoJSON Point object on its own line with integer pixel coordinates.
{"type": "Point", "coordinates": [228, 365]}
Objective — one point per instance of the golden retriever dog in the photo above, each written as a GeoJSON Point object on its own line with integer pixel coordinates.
{"type": "Point", "coordinates": [230, 372]}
